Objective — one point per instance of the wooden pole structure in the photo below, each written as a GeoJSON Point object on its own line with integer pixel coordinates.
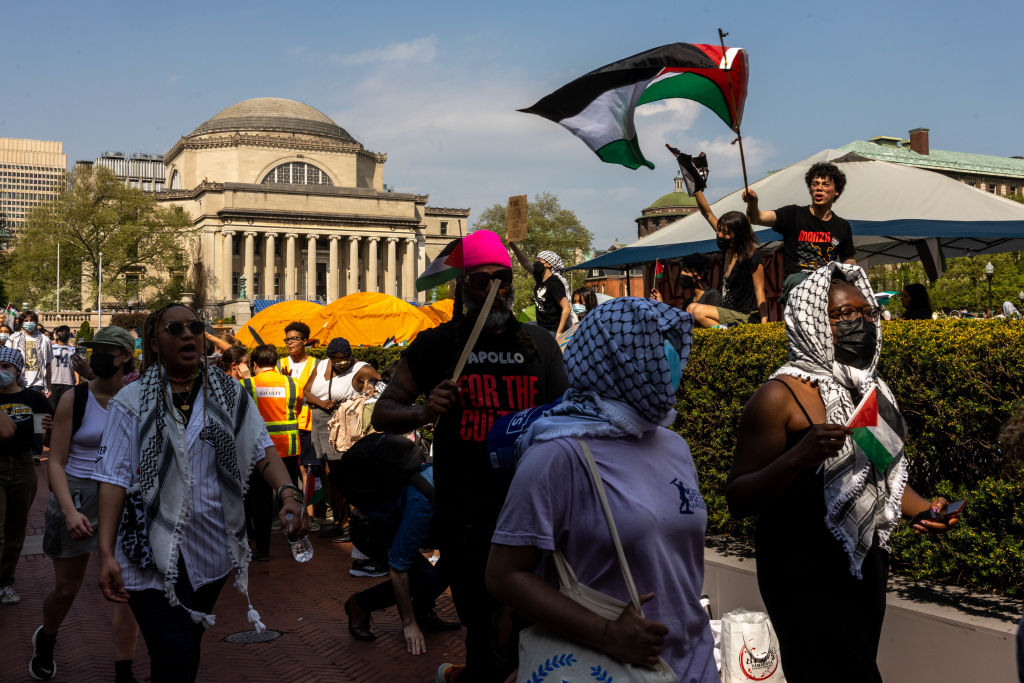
{"type": "Point", "coordinates": [732, 102]}
{"type": "Point", "coordinates": [478, 327]}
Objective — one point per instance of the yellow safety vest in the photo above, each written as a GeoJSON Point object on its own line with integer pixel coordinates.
{"type": "Point", "coordinates": [276, 396]}
{"type": "Point", "coordinates": [305, 416]}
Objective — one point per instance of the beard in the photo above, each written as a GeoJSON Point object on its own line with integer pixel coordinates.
{"type": "Point", "coordinates": [498, 317]}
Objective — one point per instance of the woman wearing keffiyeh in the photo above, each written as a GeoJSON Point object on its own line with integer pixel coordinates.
{"type": "Point", "coordinates": [173, 466]}
{"type": "Point", "coordinates": [824, 510]}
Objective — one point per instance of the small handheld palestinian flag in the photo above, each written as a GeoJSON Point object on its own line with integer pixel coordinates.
{"type": "Point", "coordinates": [598, 107]}
{"type": "Point", "coordinates": [659, 270]}
{"type": "Point", "coordinates": [313, 490]}
{"type": "Point", "coordinates": [693, 168]}
{"type": "Point", "coordinates": [879, 430]}
{"type": "Point", "coordinates": [446, 267]}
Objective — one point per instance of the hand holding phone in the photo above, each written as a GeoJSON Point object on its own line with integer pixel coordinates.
{"type": "Point", "coordinates": [931, 520]}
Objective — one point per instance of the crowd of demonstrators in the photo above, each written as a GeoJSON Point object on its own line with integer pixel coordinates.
{"type": "Point", "coordinates": [916, 304]}
{"type": "Point", "coordinates": [18, 406]}
{"type": "Point", "coordinates": [512, 367]}
{"type": "Point", "coordinates": [624, 366]}
{"type": "Point", "coordinates": [391, 528]}
{"type": "Point", "coordinates": [813, 235]}
{"type": "Point", "coordinates": [336, 379]}
{"type": "Point", "coordinates": [824, 510]}
{"type": "Point", "coordinates": [279, 401]}
{"type": "Point", "coordinates": [176, 453]}
{"type": "Point", "coordinates": [550, 291]}
{"type": "Point", "coordinates": [72, 514]}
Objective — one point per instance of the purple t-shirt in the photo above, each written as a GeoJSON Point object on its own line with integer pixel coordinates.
{"type": "Point", "coordinates": [652, 490]}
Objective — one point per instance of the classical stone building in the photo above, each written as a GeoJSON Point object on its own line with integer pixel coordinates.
{"type": "Point", "coordinates": [289, 205]}
{"type": "Point", "coordinates": [666, 209]}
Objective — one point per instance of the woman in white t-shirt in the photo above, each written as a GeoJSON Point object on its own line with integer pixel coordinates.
{"type": "Point", "coordinates": [71, 515]}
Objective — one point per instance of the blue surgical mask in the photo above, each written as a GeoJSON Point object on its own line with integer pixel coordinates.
{"type": "Point", "coordinates": [675, 366]}
{"type": "Point", "coordinates": [4, 337]}
{"type": "Point", "coordinates": [579, 309]}
{"type": "Point", "coordinates": [28, 326]}
{"type": "Point", "coordinates": [6, 378]}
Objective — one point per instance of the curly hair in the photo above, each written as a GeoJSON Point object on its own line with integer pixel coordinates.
{"type": "Point", "coordinates": [824, 169]}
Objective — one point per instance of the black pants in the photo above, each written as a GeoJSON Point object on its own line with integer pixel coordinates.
{"type": "Point", "coordinates": [492, 640]}
{"type": "Point", "coordinates": [426, 582]}
{"type": "Point", "coordinates": [259, 512]}
{"type": "Point", "coordinates": [172, 638]}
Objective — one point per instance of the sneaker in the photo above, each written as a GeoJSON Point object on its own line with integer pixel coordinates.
{"type": "Point", "coordinates": [367, 568]}
{"type": "Point", "coordinates": [313, 524]}
{"type": "Point", "coordinates": [42, 667]}
{"type": "Point", "coordinates": [8, 596]}
{"type": "Point", "coordinates": [448, 673]}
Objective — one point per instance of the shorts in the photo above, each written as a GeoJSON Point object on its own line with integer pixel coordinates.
{"type": "Point", "coordinates": [727, 316]}
{"type": "Point", "coordinates": [57, 541]}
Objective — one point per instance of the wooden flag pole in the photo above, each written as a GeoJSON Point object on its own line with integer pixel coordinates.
{"type": "Point", "coordinates": [478, 327]}
{"type": "Point", "coordinates": [732, 101]}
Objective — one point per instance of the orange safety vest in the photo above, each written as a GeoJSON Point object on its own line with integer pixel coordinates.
{"type": "Point", "coordinates": [305, 416]}
{"type": "Point", "coordinates": [276, 398]}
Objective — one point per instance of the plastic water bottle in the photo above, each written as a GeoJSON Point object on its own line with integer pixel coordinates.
{"type": "Point", "coordinates": [302, 549]}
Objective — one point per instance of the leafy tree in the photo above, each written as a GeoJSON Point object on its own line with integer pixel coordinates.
{"type": "Point", "coordinates": [549, 226]}
{"type": "Point", "coordinates": [94, 212]}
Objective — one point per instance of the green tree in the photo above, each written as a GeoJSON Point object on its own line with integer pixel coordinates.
{"type": "Point", "coordinates": [549, 226]}
{"type": "Point", "coordinates": [144, 245]}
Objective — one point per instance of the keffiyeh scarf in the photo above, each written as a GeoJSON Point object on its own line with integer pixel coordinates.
{"type": "Point", "coordinates": [620, 383]}
{"type": "Point", "coordinates": [859, 502]}
{"type": "Point", "coordinates": [557, 266]}
{"type": "Point", "coordinates": [165, 471]}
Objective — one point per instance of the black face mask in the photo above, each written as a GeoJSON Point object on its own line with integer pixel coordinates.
{"type": "Point", "coordinates": [686, 282]}
{"type": "Point", "coordinates": [63, 337]}
{"type": "Point", "coordinates": [724, 243]}
{"type": "Point", "coordinates": [855, 342]}
{"type": "Point", "coordinates": [538, 271]}
{"type": "Point", "coordinates": [102, 365]}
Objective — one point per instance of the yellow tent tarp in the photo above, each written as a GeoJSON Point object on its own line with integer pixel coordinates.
{"type": "Point", "coordinates": [271, 321]}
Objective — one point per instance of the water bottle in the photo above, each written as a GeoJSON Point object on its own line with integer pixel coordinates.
{"type": "Point", "coordinates": [302, 549]}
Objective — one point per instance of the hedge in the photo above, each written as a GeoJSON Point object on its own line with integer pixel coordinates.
{"type": "Point", "coordinates": [957, 383]}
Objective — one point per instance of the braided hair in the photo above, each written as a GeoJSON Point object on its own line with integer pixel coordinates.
{"type": "Point", "coordinates": [149, 329]}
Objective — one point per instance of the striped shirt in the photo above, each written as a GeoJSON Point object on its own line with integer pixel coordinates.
{"type": "Point", "coordinates": [202, 546]}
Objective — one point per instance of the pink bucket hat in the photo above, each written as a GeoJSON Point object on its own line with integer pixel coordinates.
{"type": "Point", "coordinates": [484, 248]}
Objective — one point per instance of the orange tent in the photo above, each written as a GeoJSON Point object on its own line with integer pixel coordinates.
{"type": "Point", "coordinates": [371, 318]}
{"type": "Point", "coordinates": [271, 321]}
{"type": "Point", "coordinates": [440, 311]}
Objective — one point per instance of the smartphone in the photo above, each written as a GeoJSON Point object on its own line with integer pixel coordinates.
{"type": "Point", "coordinates": [951, 509]}
{"type": "Point", "coordinates": [80, 350]}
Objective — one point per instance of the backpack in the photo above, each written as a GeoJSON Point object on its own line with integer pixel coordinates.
{"type": "Point", "coordinates": [373, 471]}
{"type": "Point", "coordinates": [78, 409]}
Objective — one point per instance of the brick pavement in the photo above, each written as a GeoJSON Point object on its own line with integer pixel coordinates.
{"type": "Point", "coordinates": [303, 601]}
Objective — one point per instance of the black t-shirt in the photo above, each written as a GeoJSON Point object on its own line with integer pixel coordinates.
{"type": "Point", "coordinates": [547, 296]}
{"type": "Point", "coordinates": [809, 243]}
{"type": "Point", "coordinates": [20, 407]}
{"type": "Point", "coordinates": [500, 377]}
{"type": "Point", "coordinates": [710, 297]}
{"type": "Point", "coordinates": [739, 286]}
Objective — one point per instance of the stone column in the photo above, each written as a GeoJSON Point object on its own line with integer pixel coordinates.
{"type": "Point", "coordinates": [353, 264]}
{"type": "Point", "coordinates": [390, 271]}
{"type": "Point", "coordinates": [311, 267]}
{"type": "Point", "coordinates": [409, 270]}
{"type": "Point", "coordinates": [289, 266]}
{"type": "Point", "coordinates": [333, 270]}
{"type": "Point", "coordinates": [371, 264]}
{"type": "Point", "coordinates": [268, 264]}
{"type": "Point", "coordinates": [227, 268]}
{"type": "Point", "coordinates": [421, 262]}
{"type": "Point", "coordinates": [249, 266]}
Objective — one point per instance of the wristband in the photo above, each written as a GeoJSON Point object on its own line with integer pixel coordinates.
{"type": "Point", "coordinates": [282, 487]}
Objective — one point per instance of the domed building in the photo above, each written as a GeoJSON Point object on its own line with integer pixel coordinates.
{"type": "Point", "coordinates": [288, 205]}
{"type": "Point", "coordinates": [666, 209]}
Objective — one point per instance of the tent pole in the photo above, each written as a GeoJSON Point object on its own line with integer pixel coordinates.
{"type": "Point", "coordinates": [732, 101]}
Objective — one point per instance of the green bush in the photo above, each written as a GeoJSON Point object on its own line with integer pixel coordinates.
{"type": "Point", "coordinates": [84, 332]}
{"type": "Point", "coordinates": [956, 382]}
{"type": "Point", "coordinates": [129, 321]}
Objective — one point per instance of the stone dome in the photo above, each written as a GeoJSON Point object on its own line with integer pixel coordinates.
{"type": "Point", "coordinates": [274, 115]}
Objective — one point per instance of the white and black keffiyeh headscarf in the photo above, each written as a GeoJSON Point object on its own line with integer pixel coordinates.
{"type": "Point", "coordinates": [620, 382]}
{"type": "Point", "coordinates": [859, 502]}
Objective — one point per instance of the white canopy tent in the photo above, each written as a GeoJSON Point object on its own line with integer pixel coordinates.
{"type": "Point", "coordinates": [897, 213]}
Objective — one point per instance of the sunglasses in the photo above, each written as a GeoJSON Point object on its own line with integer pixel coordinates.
{"type": "Point", "coordinates": [482, 279]}
{"type": "Point", "coordinates": [176, 328]}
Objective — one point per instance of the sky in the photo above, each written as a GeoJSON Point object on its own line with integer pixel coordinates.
{"type": "Point", "coordinates": [436, 85]}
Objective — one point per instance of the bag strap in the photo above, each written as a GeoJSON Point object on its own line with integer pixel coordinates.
{"type": "Point", "coordinates": [634, 596]}
{"type": "Point", "coordinates": [78, 407]}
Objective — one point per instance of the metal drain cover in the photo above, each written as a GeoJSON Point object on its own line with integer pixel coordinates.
{"type": "Point", "coordinates": [250, 636]}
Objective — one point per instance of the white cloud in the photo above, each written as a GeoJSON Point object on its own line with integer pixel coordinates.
{"type": "Point", "coordinates": [419, 50]}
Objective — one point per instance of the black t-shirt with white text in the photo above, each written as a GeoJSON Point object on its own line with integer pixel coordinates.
{"type": "Point", "coordinates": [501, 377]}
{"type": "Point", "coordinates": [808, 243]}
{"type": "Point", "coordinates": [19, 407]}
{"type": "Point", "coordinates": [547, 297]}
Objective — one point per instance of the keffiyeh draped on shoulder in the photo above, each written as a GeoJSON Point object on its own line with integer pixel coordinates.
{"type": "Point", "coordinates": [860, 502]}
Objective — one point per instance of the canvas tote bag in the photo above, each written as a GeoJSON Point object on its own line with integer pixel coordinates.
{"type": "Point", "coordinates": [750, 648]}
{"type": "Point", "coordinates": [544, 655]}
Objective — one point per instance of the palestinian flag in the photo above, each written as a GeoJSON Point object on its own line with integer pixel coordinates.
{"type": "Point", "coordinates": [598, 107]}
{"type": "Point", "coordinates": [447, 266]}
{"type": "Point", "coordinates": [878, 429]}
{"type": "Point", "coordinates": [313, 490]}
{"type": "Point", "coordinates": [659, 270]}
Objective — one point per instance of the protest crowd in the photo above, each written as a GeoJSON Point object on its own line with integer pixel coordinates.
{"type": "Point", "coordinates": [500, 461]}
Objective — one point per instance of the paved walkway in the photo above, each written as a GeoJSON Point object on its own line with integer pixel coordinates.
{"type": "Point", "coordinates": [303, 601]}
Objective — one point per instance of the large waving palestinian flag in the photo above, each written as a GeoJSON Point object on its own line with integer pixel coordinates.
{"type": "Point", "coordinates": [878, 429]}
{"type": "Point", "coordinates": [598, 107]}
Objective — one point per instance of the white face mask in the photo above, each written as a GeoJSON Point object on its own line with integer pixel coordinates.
{"type": "Point", "coordinates": [4, 337]}
{"type": "Point", "coordinates": [6, 378]}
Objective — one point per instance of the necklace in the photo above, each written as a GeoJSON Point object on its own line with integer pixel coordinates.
{"type": "Point", "coordinates": [183, 399]}
{"type": "Point", "coordinates": [183, 380]}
